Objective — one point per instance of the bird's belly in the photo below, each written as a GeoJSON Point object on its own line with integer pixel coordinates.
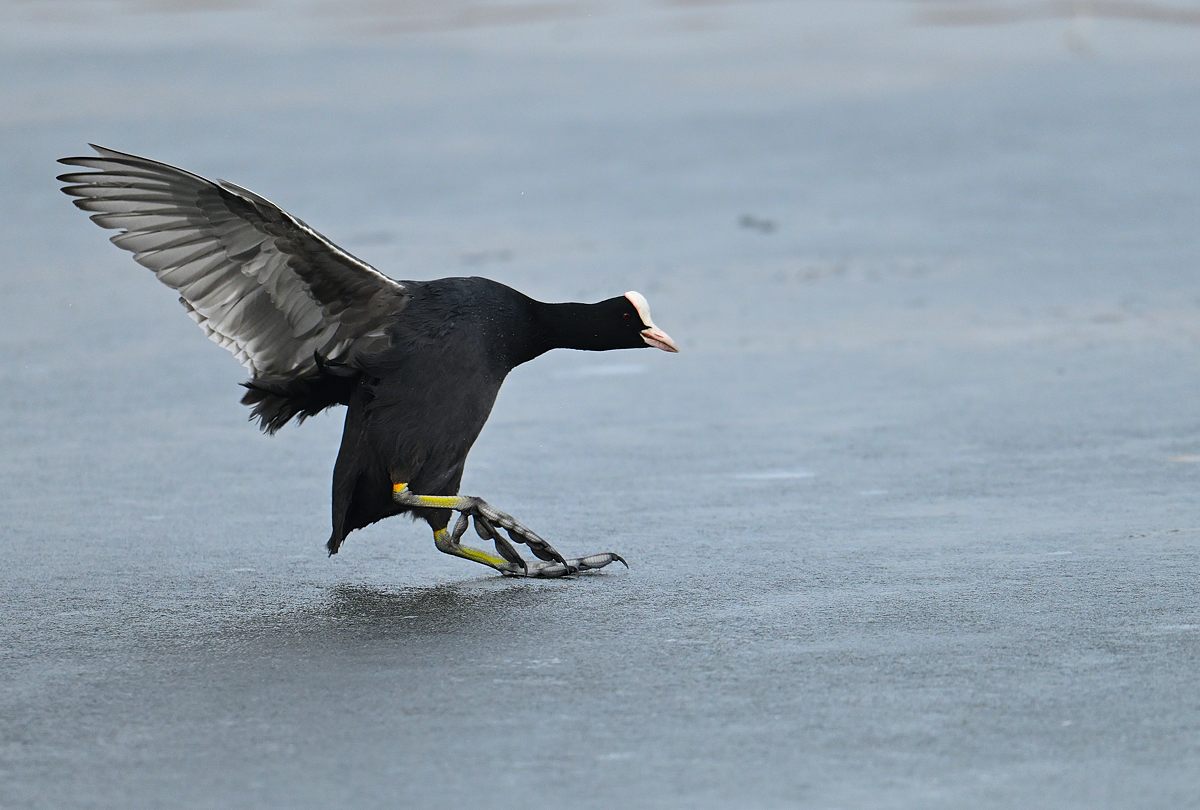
{"type": "Point", "coordinates": [426, 434]}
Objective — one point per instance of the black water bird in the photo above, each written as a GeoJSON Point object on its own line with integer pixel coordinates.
{"type": "Point", "coordinates": [418, 363]}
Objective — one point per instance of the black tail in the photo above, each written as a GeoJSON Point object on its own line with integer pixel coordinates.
{"type": "Point", "coordinates": [275, 401]}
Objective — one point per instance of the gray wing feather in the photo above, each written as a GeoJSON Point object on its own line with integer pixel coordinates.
{"type": "Point", "coordinates": [258, 281]}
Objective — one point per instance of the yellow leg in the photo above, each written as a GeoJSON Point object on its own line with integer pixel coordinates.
{"type": "Point", "coordinates": [400, 492]}
{"type": "Point", "coordinates": [446, 544]}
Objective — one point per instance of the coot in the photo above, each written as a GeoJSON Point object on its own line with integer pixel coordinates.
{"type": "Point", "coordinates": [417, 363]}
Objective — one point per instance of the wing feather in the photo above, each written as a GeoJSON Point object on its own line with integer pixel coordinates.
{"type": "Point", "coordinates": [260, 283]}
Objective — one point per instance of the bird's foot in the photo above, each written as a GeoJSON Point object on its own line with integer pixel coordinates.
{"type": "Point", "coordinates": [575, 566]}
{"type": "Point", "coordinates": [488, 518]}
{"type": "Point", "coordinates": [552, 564]}
{"type": "Point", "coordinates": [488, 521]}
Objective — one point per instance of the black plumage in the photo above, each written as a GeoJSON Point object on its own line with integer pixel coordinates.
{"type": "Point", "coordinates": [418, 363]}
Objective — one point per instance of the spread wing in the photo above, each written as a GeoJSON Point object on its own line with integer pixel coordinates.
{"type": "Point", "coordinates": [274, 292]}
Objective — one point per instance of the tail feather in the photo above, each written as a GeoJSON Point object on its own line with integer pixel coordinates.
{"type": "Point", "coordinates": [276, 401]}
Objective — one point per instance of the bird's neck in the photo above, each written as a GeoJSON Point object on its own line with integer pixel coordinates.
{"type": "Point", "coordinates": [564, 326]}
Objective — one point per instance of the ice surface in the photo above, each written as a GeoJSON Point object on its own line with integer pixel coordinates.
{"type": "Point", "coordinates": [975, 319]}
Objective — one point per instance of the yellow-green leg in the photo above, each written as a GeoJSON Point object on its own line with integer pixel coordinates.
{"type": "Point", "coordinates": [447, 545]}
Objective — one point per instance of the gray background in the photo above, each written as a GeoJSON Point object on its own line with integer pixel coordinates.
{"type": "Point", "coordinates": [912, 518]}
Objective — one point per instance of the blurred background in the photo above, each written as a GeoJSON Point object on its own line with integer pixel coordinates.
{"type": "Point", "coordinates": [911, 520]}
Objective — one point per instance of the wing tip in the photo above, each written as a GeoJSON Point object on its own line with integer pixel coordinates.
{"type": "Point", "coordinates": [73, 160]}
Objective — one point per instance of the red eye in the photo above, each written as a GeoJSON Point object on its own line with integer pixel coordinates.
{"type": "Point", "coordinates": [625, 316]}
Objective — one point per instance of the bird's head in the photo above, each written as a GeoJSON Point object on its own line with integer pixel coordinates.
{"type": "Point", "coordinates": [617, 323]}
{"type": "Point", "coordinates": [627, 321]}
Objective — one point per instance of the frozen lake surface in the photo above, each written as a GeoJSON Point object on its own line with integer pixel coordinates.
{"type": "Point", "coordinates": [912, 520]}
